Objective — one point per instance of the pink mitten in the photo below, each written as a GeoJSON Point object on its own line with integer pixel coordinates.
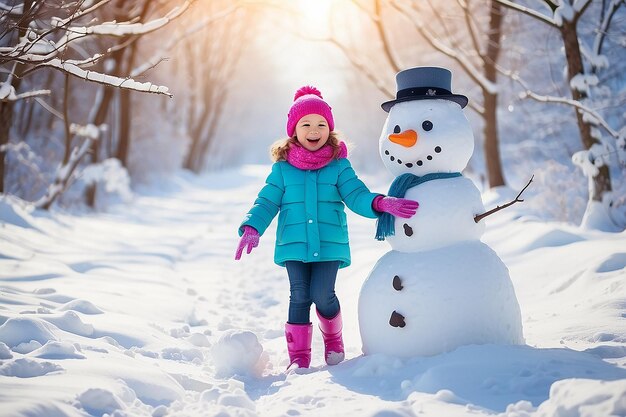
{"type": "Point", "coordinates": [398, 207]}
{"type": "Point", "coordinates": [250, 239]}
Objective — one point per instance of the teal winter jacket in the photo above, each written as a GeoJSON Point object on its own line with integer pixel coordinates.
{"type": "Point", "coordinates": [312, 223]}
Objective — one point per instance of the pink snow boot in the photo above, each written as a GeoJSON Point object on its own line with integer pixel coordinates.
{"type": "Point", "coordinates": [299, 337]}
{"type": "Point", "coordinates": [333, 343]}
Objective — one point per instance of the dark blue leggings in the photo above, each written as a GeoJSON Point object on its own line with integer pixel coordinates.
{"type": "Point", "coordinates": [312, 282]}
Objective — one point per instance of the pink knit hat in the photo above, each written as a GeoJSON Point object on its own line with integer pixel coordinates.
{"type": "Point", "coordinates": [308, 100]}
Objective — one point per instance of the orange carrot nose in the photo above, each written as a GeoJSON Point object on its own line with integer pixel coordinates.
{"type": "Point", "coordinates": [407, 138]}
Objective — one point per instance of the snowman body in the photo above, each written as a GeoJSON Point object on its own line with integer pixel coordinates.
{"type": "Point", "coordinates": [433, 301]}
{"type": "Point", "coordinates": [439, 287]}
{"type": "Point", "coordinates": [445, 216]}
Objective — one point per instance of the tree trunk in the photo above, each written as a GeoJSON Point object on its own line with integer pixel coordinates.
{"type": "Point", "coordinates": [602, 181]}
{"type": "Point", "coordinates": [123, 148]}
{"type": "Point", "coordinates": [191, 161]}
{"type": "Point", "coordinates": [491, 146]}
{"type": "Point", "coordinates": [490, 101]}
{"type": "Point", "coordinates": [6, 107]}
{"type": "Point", "coordinates": [6, 116]}
{"type": "Point", "coordinates": [100, 117]}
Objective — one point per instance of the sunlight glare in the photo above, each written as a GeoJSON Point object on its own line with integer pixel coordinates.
{"type": "Point", "coordinates": [315, 9]}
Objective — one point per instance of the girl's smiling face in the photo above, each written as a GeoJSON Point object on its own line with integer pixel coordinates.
{"type": "Point", "coordinates": [312, 131]}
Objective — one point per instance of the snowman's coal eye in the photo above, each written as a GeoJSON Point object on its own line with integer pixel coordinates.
{"type": "Point", "coordinates": [427, 125]}
{"type": "Point", "coordinates": [397, 129]}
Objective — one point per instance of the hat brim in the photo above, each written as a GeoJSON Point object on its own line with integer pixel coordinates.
{"type": "Point", "coordinates": [457, 98]}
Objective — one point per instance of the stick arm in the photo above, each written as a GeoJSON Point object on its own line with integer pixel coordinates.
{"type": "Point", "coordinates": [479, 217]}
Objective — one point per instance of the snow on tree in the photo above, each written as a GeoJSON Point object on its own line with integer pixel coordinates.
{"type": "Point", "coordinates": [62, 37]}
{"type": "Point", "coordinates": [604, 153]}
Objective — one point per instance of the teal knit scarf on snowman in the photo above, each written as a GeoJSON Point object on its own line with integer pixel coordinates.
{"type": "Point", "coordinates": [399, 187]}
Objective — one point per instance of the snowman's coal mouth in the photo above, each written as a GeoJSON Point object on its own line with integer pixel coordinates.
{"type": "Point", "coordinates": [419, 162]}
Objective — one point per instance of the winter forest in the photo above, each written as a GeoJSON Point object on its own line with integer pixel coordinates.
{"type": "Point", "coordinates": [135, 135]}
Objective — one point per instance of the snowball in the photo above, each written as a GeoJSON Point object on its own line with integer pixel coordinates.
{"type": "Point", "coordinates": [238, 352]}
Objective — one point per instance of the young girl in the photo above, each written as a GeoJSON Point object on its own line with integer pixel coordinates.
{"type": "Point", "coordinates": [310, 181]}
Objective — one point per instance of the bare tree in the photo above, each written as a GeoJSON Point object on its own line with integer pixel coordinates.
{"type": "Point", "coordinates": [470, 35]}
{"type": "Point", "coordinates": [209, 68]}
{"type": "Point", "coordinates": [582, 68]}
{"type": "Point", "coordinates": [45, 35]}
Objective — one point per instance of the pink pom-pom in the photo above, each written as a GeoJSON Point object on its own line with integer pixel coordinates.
{"type": "Point", "coordinates": [307, 89]}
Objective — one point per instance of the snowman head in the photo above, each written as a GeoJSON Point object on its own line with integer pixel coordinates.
{"type": "Point", "coordinates": [426, 136]}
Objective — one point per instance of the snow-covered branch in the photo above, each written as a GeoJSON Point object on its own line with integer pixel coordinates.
{"type": "Point", "coordinates": [573, 103]}
{"type": "Point", "coordinates": [49, 108]}
{"type": "Point", "coordinates": [529, 12]}
{"type": "Point", "coordinates": [39, 49]}
{"type": "Point", "coordinates": [528, 93]}
{"type": "Point", "coordinates": [7, 92]}
{"type": "Point", "coordinates": [76, 16]}
{"type": "Point", "coordinates": [126, 28]}
{"type": "Point", "coordinates": [97, 77]}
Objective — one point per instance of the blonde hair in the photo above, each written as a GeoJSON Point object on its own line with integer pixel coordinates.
{"type": "Point", "coordinates": [279, 149]}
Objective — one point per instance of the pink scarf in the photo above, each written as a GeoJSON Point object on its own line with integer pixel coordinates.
{"type": "Point", "coordinates": [302, 158]}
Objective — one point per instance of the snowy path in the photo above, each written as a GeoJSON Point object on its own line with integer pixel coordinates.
{"type": "Point", "coordinates": [143, 311]}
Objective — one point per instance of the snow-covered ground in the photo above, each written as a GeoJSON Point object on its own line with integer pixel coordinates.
{"type": "Point", "coordinates": [142, 311]}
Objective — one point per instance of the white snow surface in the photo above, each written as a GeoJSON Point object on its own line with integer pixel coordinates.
{"type": "Point", "coordinates": [142, 311]}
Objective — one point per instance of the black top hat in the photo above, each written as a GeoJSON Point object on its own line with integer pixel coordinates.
{"type": "Point", "coordinates": [423, 83]}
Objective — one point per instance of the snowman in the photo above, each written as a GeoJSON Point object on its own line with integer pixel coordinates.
{"type": "Point", "coordinates": [439, 287]}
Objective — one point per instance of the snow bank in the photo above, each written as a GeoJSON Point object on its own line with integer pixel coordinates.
{"type": "Point", "coordinates": [15, 211]}
{"type": "Point", "coordinates": [57, 350]}
{"type": "Point", "coordinates": [71, 322]}
{"type": "Point", "coordinates": [20, 330]}
{"type": "Point", "coordinates": [81, 306]}
{"type": "Point", "coordinates": [5, 352]}
{"type": "Point", "coordinates": [577, 398]}
{"type": "Point", "coordinates": [489, 376]}
{"type": "Point", "coordinates": [98, 402]}
{"type": "Point", "coordinates": [238, 352]}
{"type": "Point", "coordinates": [28, 368]}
